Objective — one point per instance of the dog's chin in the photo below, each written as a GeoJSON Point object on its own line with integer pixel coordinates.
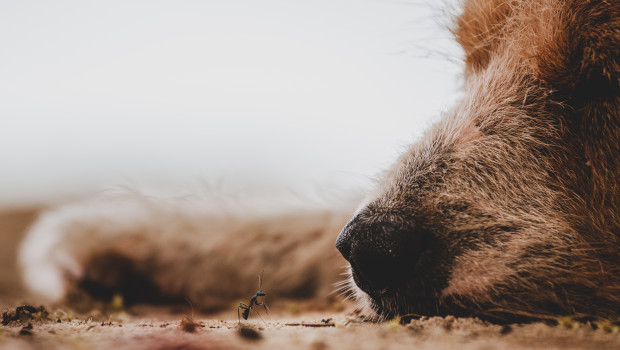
{"type": "Point", "coordinates": [392, 302]}
{"type": "Point", "coordinates": [365, 303]}
{"type": "Point", "coordinates": [376, 306]}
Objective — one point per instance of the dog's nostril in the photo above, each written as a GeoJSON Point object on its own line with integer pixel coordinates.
{"type": "Point", "coordinates": [374, 271]}
{"type": "Point", "coordinates": [380, 253]}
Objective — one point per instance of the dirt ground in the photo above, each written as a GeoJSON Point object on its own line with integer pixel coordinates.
{"type": "Point", "coordinates": [295, 324]}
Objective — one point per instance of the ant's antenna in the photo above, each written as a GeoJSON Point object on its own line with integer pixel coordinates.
{"type": "Point", "coordinates": [260, 279]}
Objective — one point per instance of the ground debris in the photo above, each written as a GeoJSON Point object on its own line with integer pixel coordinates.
{"type": "Point", "coordinates": [188, 324]}
{"type": "Point", "coordinates": [505, 329]}
{"type": "Point", "coordinates": [323, 324]}
{"type": "Point", "coordinates": [26, 330]}
{"type": "Point", "coordinates": [22, 315]}
{"type": "Point", "coordinates": [608, 326]}
{"type": "Point", "coordinates": [319, 345]}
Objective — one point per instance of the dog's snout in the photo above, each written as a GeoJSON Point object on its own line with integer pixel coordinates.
{"type": "Point", "coordinates": [343, 242]}
{"type": "Point", "coordinates": [379, 253]}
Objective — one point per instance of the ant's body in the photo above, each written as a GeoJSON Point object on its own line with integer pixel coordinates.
{"type": "Point", "coordinates": [245, 308]}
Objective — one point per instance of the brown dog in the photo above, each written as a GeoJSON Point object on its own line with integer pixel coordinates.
{"type": "Point", "coordinates": [508, 208]}
{"type": "Point", "coordinates": [510, 204]}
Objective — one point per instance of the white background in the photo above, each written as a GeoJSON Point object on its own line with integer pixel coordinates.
{"type": "Point", "coordinates": [242, 95]}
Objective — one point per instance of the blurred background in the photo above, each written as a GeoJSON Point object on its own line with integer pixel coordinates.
{"type": "Point", "coordinates": [255, 98]}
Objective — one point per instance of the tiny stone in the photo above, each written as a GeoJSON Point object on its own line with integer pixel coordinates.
{"type": "Point", "coordinates": [505, 329]}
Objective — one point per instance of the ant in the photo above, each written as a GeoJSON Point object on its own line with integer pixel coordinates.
{"type": "Point", "coordinates": [253, 301]}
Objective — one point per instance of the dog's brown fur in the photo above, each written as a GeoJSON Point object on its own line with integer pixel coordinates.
{"type": "Point", "coordinates": [517, 187]}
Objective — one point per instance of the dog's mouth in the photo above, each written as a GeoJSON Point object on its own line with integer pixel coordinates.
{"type": "Point", "coordinates": [376, 291]}
{"type": "Point", "coordinates": [413, 288]}
{"type": "Point", "coordinates": [365, 287]}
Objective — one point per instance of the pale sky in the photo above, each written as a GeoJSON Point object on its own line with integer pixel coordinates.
{"type": "Point", "coordinates": [165, 96]}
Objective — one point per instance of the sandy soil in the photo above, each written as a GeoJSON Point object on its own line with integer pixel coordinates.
{"type": "Point", "coordinates": [291, 324]}
{"type": "Point", "coordinates": [160, 330]}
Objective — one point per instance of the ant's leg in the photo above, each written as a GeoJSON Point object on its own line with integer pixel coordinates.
{"type": "Point", "coordinates": [261, 317]}
{"type": "Point", "coordinates": [241, 306]}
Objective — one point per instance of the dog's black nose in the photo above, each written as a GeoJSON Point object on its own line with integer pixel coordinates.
{"type": "Point", "coordinates": [381, 255]}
